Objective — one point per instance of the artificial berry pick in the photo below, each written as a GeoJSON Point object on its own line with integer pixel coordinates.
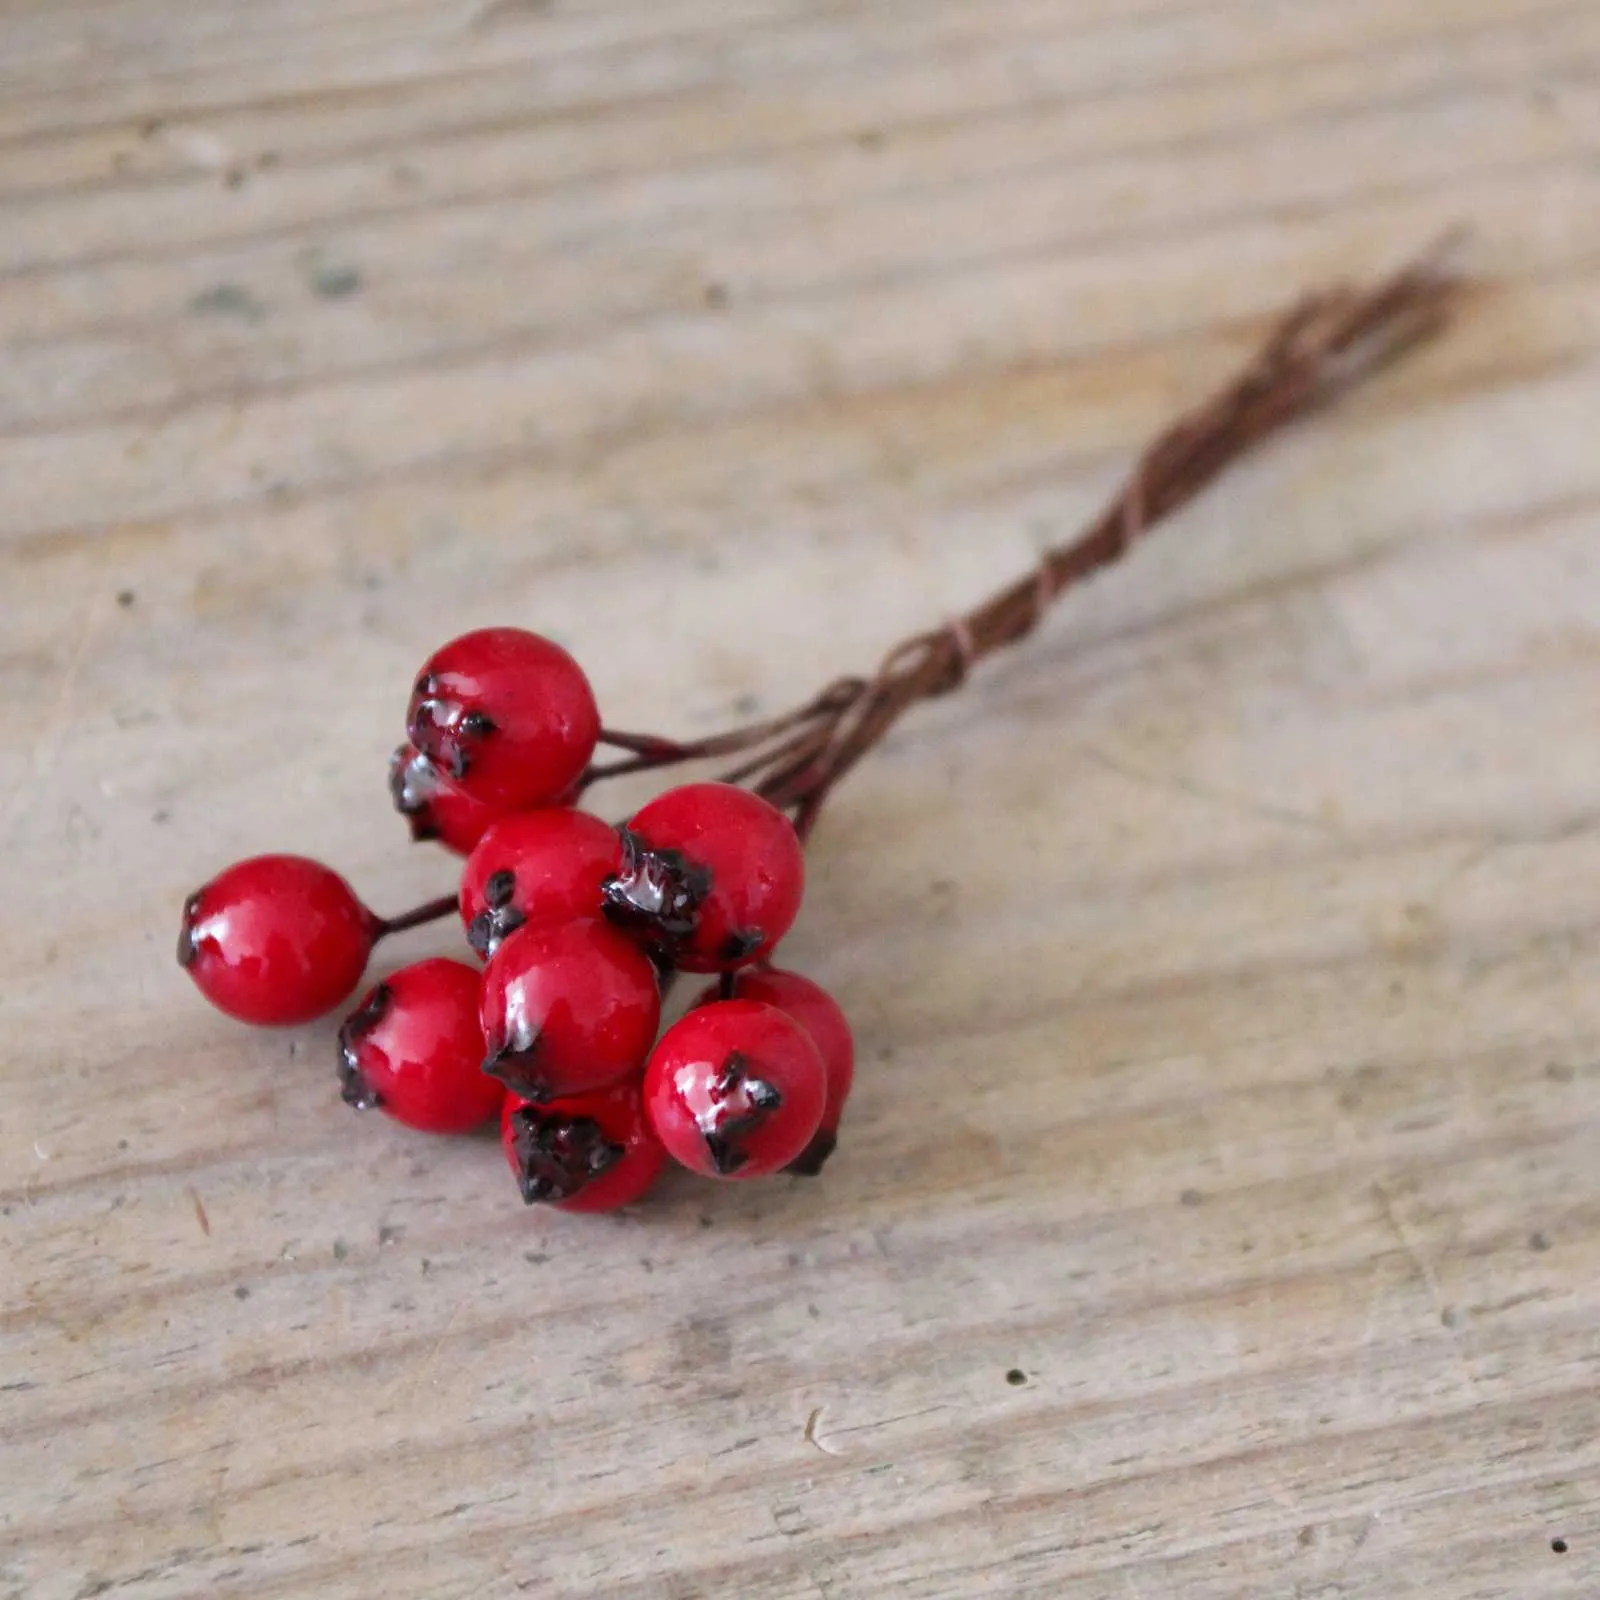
{"type": "Point", "coordinates": [583, 924]}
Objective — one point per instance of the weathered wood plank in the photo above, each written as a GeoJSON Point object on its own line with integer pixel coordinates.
{"type": "Point", "coordinates": [1225, 965]}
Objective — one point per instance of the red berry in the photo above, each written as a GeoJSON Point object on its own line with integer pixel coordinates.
{"type": "Point", "coordinates": [415, 1050]}
{"type": "Point", "coordinates": [506, 714]}
{"type": "Point", "coordinates": [276, 939]}
{"type": "Point", "coordinates": [568, 1006]}
{"type": "Point", "coordinates": [818, 1013]}
{"type": "Point", "coordinates": [532, 865]}
{"type": "Point", "coordinates": [435, 807]}
{"type": "Point", "coordinates": [712, 873]}
{"type": "Point", "coordinates": [735, 1089]}
{"type": "Point", "coordinates": [585, 1152]}
{"type": "Point", "coordinates": [572, 794]}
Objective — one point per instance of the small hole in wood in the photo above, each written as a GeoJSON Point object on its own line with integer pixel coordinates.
{"type": "Point", "coordinates": [1559, 1546]}
{"type": "Point", "coordinates": [1016, 1377]}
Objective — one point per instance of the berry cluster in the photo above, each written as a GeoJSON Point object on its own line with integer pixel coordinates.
{"type": "Point", "coordinates": [580, 926]}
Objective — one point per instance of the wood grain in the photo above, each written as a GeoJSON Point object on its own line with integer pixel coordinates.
{"type": "Point", "coordinates": [1225, 964]}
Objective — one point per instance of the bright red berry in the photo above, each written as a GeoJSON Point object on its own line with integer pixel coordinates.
{"type": "Point", "coordinates": [435, 807]}
{"type": "Point", "coordinates": [735, 1089]}
{"type": "Point", "coordinates": [818, 1013]}
{"type": "Point", "coordinates": [276, 939]}
{"type": "Point", "coordinates": [506, 714]}
{"type": "Point", "coordinates": [572, 794]}
{"type": "Point", "coordinates": [414, 1049]}
{"type": "Point", "coordinates": [536, 864]}
{"type": "Point", "coordinates": [712, 873]}
{"type": "Point", "coordinates": [587, 1152]}
{"type": "Point", "coordinates": [568, 1006]}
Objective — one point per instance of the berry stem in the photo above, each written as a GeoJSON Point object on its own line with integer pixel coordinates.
{"type": "Point", "coordinates": [646, 751]}
{"type": "Point", "coordinates": [429, 911]}
{"type": "Point", "coordinates": [1323, 345]}
{"type": "Point", "coordinates": [648, 745]}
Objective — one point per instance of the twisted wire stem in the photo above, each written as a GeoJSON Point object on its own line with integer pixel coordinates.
{"type": "Point", "coordinates": [1326, 343]}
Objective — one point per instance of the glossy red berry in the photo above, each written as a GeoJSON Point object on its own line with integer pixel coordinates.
{"type": "Point", "coordinates": [536, 864]}
{"type": "Point", "coordinates": [276, 939]}
{"type": "Point", "coordinates": [587, 1152]}
{"type": "Point", "coordinates": [735, 1089]}
{"type": "Point", "coordinates": [505, 714]}
{"type": "Point", "coordinates": [568, 1006]}
{"type": "Point", "coordinates": [712, 873]}
{"type": "Point", "coordinates": [414, 1049]}
{"type": "Point", "coordinates": [818, 1013]}
{"type": "Point", "coordinates": [436, 807]}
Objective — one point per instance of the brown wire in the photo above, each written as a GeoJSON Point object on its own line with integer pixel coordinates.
{"type": "Point", "coordinates": [1321, 346]}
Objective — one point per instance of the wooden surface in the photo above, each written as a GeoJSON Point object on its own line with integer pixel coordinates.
{"type": "Point", "coordinates": [1225, 963]}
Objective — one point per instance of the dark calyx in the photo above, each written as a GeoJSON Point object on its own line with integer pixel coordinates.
{"type": "Point", "coordinates": [513, 1061]}
{"type": "Point", "coordinates": [188, 949]}
{"type": "Point", "coordinates": [443, 730]}
{"type": "Point", "coordinates": [656, 893]}
{"type": "Point", "coordinates": [557, 1156]}
{"type": "Point", "coordinates": [412, 781]}
{"type": "Point", "coordinates": [739, 1105]}
{"type": "Point", "coordinates": [741, 942]}
{"type": "Point", "coordinates": [355, 1088]}
{"type": "Point", "coordinates": [812, 1159]}
{"type": "Point", "coordinates": [489, 927]}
